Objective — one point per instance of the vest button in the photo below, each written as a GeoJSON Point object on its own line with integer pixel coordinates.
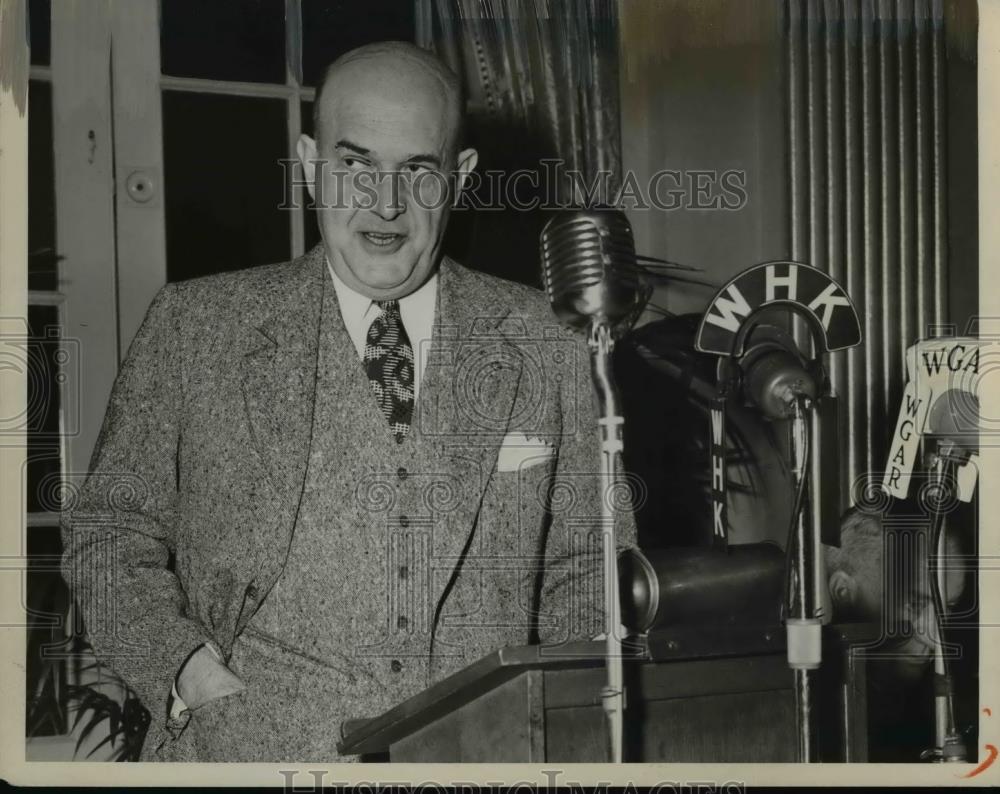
{"type": "Point", "coordinates": [402, 473]}
{"type": "Point", "coordinates": [252, 592]}
{"type": "Point", "coordinates": [402, 622]}
{"type": "Point", "coordinates": [404, 521]}
{"type": "Point", "coordinates": [396, 666]}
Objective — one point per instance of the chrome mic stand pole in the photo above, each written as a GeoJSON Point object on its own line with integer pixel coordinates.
{"type": "Point", "coordinates": [948, 745]}
{"type": "Point", "coordinates": [611, 422]}
{"type": "Point", "coordinates": [803, 626]}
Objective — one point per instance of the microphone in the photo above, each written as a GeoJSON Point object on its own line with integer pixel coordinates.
{"type": "Point", "coordinates": [940, 403]}
{"type": "Point", "coordinates": [953, 420]}
{"type": "Point", "coordinates": [593, 282]}
{"type": "Point", "coordinates": [590, 270]}
{"type": "Point", "coordinates": [774, 374]}
{"type": "Point", "coordinates": [782, 383]}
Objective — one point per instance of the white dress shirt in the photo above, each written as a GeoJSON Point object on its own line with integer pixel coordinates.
{"type": "Point", "coordinates": [415, 309]}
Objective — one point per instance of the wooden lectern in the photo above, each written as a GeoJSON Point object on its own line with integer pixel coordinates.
{"type": "Point", "coordinates": [693, 695]}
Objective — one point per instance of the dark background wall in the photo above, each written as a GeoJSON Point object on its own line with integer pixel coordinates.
{"type": "Point", "coordinates": [963, 162]}
{"type": "Point", "coordinates": [703, 88]}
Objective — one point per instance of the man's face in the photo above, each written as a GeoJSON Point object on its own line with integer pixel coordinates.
{"type": "Point", "coordinates": [909, 613]}
{"type": "Point", "coordinates": [386, 152]}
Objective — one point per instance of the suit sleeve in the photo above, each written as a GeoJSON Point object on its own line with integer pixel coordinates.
{"type": "Point", "coordinates": [119, 535]}
{"type": "Point", "coordinates": [572, 595]}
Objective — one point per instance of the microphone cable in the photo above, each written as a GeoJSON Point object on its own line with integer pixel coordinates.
{"type": "Point", "coordinates": [797, 505]}
{"type": "Point", "coordinates": [937, 528]}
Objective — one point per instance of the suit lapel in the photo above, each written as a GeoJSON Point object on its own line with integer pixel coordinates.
{"type": "Point", "coordinates": [467, 401]}
{"type": "Point", "coordinates": [470, 380]}
{"type": "Point", "coordinates": [279, 374]}
{"type": "Point", "coordinates": [468, 397]}
{"type": "Point", "coordinates": [472, 373]}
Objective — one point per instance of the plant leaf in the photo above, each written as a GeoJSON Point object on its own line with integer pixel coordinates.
{"type": "Point", "coordinates": [96, 720]}
{"type": "Point", "coordinates": [100, 744]}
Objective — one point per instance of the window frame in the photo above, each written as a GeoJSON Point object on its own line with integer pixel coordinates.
{"type": "Point", "coordinates": [107, 88]}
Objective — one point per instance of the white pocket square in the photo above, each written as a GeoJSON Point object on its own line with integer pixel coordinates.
{"type": "Point", "coordinates": [519, 451]}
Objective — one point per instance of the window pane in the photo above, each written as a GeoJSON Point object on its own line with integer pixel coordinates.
{"type": "Point", "coordinates": [47, 603]}
{"type": "Point", "coordinates": [307, 118]}
{"type": "Point", "coordinates": [43, 273]}
{"type": "Point", "coordinates": [332, 27]}
{"type": "Point", "coordinates": [312, 230]}
{"type": "Point", "coordinates": [224, 183]}
{"type": "Point", "coordinates": [42, 486]}
{"type": "Point", "coordinates": [42, 418]}
{"type": "Point", "coordinates": [40, 22]}
{"type": "Point", "coordinates": [223, 39]}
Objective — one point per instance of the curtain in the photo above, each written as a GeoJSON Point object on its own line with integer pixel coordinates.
{"type": "Point", "coordinates": [868, 192]}
{"type": "Point", "coordinates": [549, 68]}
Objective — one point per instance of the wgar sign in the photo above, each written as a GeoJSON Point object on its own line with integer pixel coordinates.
{"type": "Point", "coordinates": [941, 398]}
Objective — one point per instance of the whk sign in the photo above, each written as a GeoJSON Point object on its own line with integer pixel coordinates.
{"type": "Point", "coordinates": [805, 289]}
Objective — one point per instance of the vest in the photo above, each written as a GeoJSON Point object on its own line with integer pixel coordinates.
{"type": "Point", "coordinates": [346, 630]}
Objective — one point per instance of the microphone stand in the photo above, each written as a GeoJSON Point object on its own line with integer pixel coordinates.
{"type": "Point", "coordinates": [611, 421]}
{"type": "Point", "coordinates": [803, 625]}
{"type": "Point", "coordinates": [948, 745]}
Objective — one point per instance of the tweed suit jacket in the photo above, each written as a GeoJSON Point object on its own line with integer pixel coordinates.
{"type": "Point", "coordinates": [184, 522]}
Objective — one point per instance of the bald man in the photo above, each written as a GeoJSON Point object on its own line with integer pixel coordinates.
{"type": "Point", "coordinates": [323, 485]}
{"type": "Point", "coordinates": [881, 576]}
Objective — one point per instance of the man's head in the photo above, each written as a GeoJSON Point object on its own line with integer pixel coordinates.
{"type": "Point", "coordinates": [388, 131]}
{"type": "Point", "coordinates": [882, 577]}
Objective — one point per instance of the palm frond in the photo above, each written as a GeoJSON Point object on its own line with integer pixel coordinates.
{"type": "Point", "coordinates": [127, 721]}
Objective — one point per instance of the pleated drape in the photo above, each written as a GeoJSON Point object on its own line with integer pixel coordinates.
{"type": "Point", "coordinates": [548, 65]}
{"type": "Point", "coordinates": [867, 166]}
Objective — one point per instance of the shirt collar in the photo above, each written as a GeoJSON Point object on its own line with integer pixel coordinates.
{"type": "Point", "coordinates": [358, 310]}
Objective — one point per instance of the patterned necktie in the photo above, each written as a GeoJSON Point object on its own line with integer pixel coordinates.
{"type": "Point", "coordinates": [389, 362]}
